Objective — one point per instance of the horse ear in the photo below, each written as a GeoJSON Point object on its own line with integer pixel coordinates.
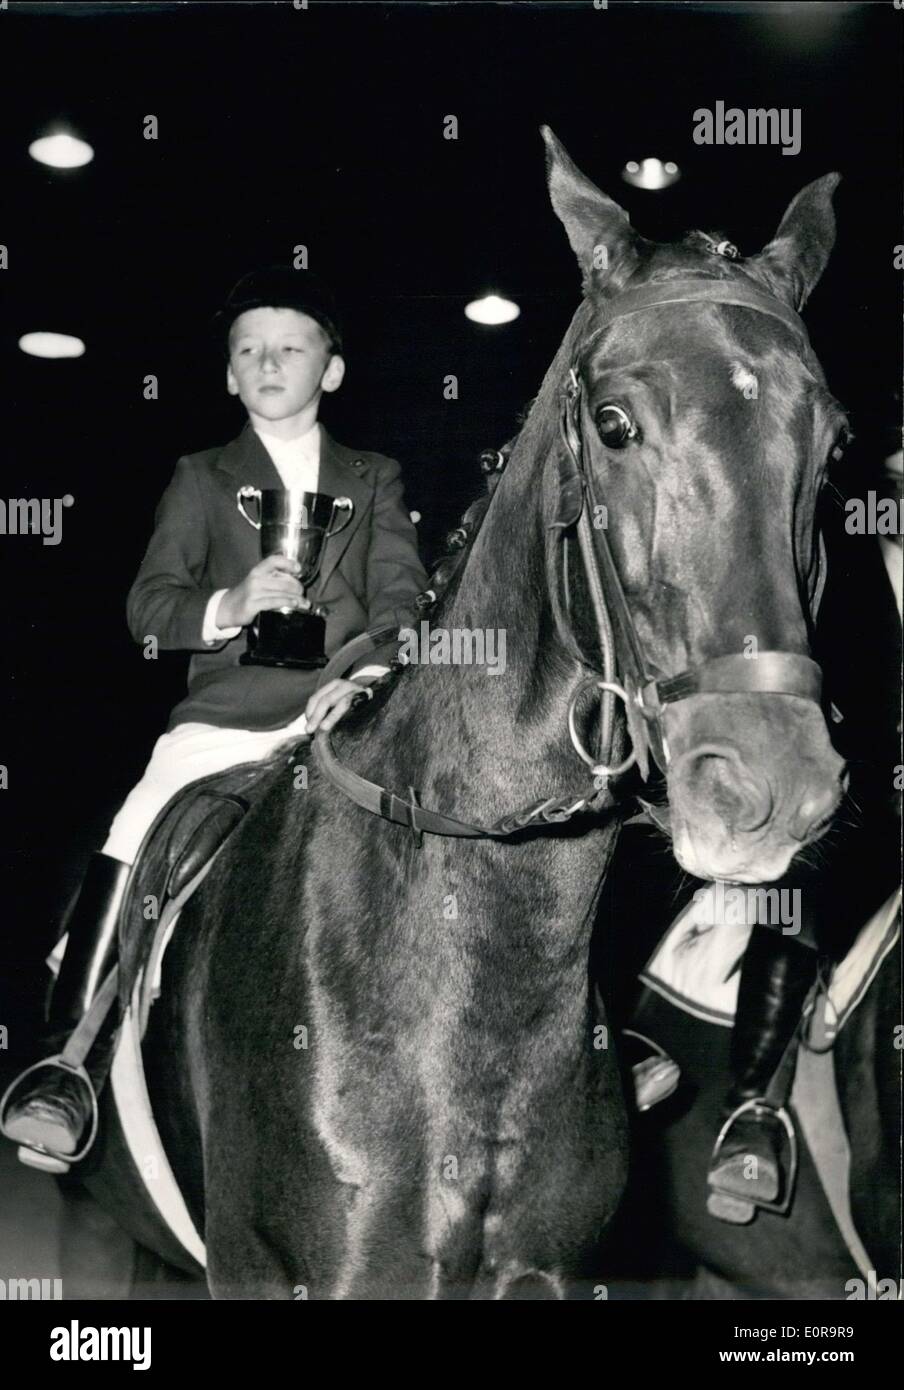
{"type": "Point", "coordinates": [794, 260]}
{"type": "Point", "coordinates": [599, 230]}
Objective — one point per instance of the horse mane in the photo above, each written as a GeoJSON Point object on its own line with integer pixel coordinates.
{"type": "Point", "coordinates": [450, 565]}
{"type": "Point", "coordinates": [460, 540]}
{"type": "Point", "coordinates": [532, 420]}
{"type": "Point", "coordinates": [447, 569]}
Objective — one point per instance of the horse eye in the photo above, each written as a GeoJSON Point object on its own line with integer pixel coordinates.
{"type": "Point", "coordinates": [615, 426]}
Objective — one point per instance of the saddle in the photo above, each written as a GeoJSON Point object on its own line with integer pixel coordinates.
{"type": "Point", "coordinates": [178, 850]}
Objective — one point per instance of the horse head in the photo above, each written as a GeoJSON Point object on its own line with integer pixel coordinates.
{"type": "Point", "coordinates": [704, 427]}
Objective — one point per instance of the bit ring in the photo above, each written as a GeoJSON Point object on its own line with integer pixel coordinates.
{"type": "Point", "coordinates": [597, 769]}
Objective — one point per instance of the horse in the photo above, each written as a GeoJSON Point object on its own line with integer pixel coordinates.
{"type": "Point", "coordinates": [670, 982]}
{"type": "Point", "coordinates": [378, 1065]}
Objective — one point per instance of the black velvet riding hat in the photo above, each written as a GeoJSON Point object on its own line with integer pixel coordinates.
{"type": "Point", "coordinates": [279, 287]}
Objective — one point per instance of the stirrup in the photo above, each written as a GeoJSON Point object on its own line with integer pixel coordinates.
{"type": "Point", "coordinates": [37, 1155]}
{"type": "Point", "coordinates": [727, 1205]}
{"type": "Point", "coordinates": [670, 1079]}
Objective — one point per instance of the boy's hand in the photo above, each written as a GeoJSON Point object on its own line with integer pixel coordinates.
{"type": "Point", "coordinates": [327, 706]}
{"type": "Point", "coordinates": [271, 584]}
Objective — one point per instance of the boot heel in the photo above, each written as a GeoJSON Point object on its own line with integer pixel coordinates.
{"type": "Point", "coordinates": [734, 1210]}
{"type": "Point", "coordinates": [46, 1162]}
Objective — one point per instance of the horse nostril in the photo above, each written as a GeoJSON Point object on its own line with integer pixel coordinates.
{"type": "Point", "coordinates": [757, 806]}
{"type": "Point", "coordinates": [717, 778]}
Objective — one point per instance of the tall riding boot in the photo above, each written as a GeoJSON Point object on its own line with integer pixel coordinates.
{"type": "Point", "coordinates": [776, 977]}
{"type": "Point", "coordinates": [48, 1109]}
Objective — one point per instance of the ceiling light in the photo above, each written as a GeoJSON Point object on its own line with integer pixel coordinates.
{"type": "Point", "coordinates": [492, 309]}
{"type": "Point", "coordinates": [61, 151]}
{"type": "Point", "coordinates": [51, 345]}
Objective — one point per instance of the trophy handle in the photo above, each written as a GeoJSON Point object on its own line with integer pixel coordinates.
{"type": "Point", "coordinates": [240, 499]}
{"type": "Point", "coordinates": [339, 504]}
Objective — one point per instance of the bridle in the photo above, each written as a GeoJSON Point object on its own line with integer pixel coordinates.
{"type": "Point", "coordinates": [644, 697]}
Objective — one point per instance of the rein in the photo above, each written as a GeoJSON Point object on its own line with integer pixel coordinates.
{"type": "Point", "coordinates": [644, 697]}
{"type": "Point", "coordinates": [372, 797]}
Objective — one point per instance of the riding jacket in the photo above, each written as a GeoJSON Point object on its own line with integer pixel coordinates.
{"type": "Point", "coordinates": [370, 574]}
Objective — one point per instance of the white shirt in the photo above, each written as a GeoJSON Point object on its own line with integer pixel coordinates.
{"type": "Point", "coordinates": [297, 461]}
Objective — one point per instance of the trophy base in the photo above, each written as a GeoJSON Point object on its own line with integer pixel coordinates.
{"type": "Point", "coordinates": [290, 641]}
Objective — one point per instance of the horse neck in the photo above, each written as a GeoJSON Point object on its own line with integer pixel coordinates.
{"type": "Point", "coordinates": [478, 744]}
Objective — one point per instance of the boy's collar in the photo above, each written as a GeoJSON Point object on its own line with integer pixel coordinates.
{"type": "Point", "coordinates": [311, 437]}
{"type": "Point", "coordinates": [246, 458]}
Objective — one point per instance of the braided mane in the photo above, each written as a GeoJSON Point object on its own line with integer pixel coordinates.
{"type": "Point", "coordinates": [460, 541]}
{"type": "Point", "coordinates": [446, 570]}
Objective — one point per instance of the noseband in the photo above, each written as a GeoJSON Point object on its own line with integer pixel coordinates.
{"type": "Point", "coordinates": [644, 697]}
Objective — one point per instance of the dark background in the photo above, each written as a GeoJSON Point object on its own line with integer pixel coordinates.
{"type": "Point", "coordinates": [325, 127]}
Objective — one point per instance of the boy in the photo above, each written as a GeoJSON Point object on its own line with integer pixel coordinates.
{"type": "Point", "coordinates": [200, 585]}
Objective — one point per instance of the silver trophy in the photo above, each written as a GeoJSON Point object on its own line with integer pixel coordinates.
{"type": "Point", "coordinates": [296, 524]}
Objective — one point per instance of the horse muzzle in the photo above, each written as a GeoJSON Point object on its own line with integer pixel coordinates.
{"type": "Point", "coordinates": [752, 779]}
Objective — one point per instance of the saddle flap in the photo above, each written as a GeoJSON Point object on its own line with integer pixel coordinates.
{"type": "Point", "coordinates": [183, 838]}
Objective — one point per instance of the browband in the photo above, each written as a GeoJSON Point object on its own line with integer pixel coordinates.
{"type": "Point", "coordinates": [656, 295]}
